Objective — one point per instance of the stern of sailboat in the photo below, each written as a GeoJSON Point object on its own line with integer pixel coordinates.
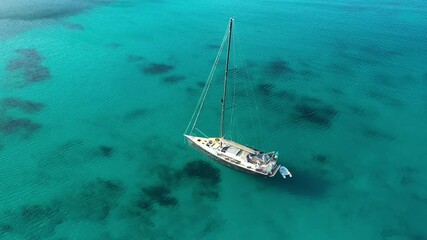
{"type": "Point", "coordinates": [274, 171]}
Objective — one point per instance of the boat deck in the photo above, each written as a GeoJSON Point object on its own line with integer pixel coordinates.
{"type": "Point", "coordinates": [233, 153]}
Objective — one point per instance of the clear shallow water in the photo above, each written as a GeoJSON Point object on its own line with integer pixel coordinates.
{"type": "Point", "coordinates": [91, 136]}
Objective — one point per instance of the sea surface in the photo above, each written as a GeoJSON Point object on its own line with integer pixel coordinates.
{"type": "Point", "coordinates": [95, 96]}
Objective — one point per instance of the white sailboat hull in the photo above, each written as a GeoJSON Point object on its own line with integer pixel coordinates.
{"type": "Point", "coordinates": [231, 154]}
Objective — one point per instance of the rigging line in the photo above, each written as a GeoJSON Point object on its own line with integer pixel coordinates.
{"type": "Point", "coordinates": [204, 91]}
{"type": "Point", "coordinates": [206, 136]}
{"type": "Point", "coordinates": [245, 75]}
{"type": "Point", "coordinates": [249, 89]}
{"type": "Point", "coordinates": [240, 135]}
{"type": "Point", "coordinates": [206, 87]}
{"type": "Point", "coordinates": [230, 107]}
{"type": "Point", "coordinates": [233, 119]}
{"type": "Point", "coordinates": [208, 82]}
{"type": "Point", "coordinates": [236, 128]}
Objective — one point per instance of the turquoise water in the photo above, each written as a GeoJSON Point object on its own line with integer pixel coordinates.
{"type": "Point", "coordinates": [91, 143]}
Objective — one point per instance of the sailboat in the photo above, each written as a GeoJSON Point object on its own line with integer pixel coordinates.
{"type": "Point", "coordinates": [225, 151]}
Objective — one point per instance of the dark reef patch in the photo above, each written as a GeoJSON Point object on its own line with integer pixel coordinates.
{"type": "Point", "coordinates": [211, 193]}
{"type": "Point", "coordinates": [30, 53]}
{"type": "Point", "coordinates": [28, 58]}
{"type": "Point", "coordinates": [384, 79]}
{"type": "Point", "coordinates": [169, 176]}
{"type": "Point", "coordinates": [95, 200]}
{"type": "Point", "coordinates": [114, 45]}
{"type": "Point", "coordinates": [5, 228]}
{"type": "Point", "coordinates": [371, 132]}
{"type": "Point", "coordinates": [106, 151]}
{"type": "Point", "coordinates": [150, 196]}
{"type": "Point", "coordinates": [191, 90]}
{"type": "Point", "coordinates": [307, 72]}
{"type": "Point", "coordinates": [157, 200]}
{"type": "Point", "coordinates": [278, 67]}
{"type": "Point", "coordinates": [156, 191]}
{"type": "Point", "coordinates": [144, 205]}
{"type": "Point", "coordinates": [336, 91]}
{"type": "Point", "coordinates": [265, 89]}
{"type": "Point", "coordinates": [384, 98]}
{"type": "Point", "coordinates": [158, 68]}
{"type": "Point", "coordinates": [285, 95]}
{"type": "Point", "coordinates": [378, 51]}
{"type": "Point", "coordinates": [211, 225]}
{"type": "Point", "coordinates": [360, 59]}
{"type": "Point", "coordinates": [33, 221]}
{"type": "Point", "coordinates": [135, 58]}
{"type": "Point", "coordinates": [43, 10]}
{"type": "Point", "coordinates": [320, 158]}
{"type": "Point", "coordinates": [173, 79]}
{"type": "Point", "coordinates": [29, 65]}
{"type": "Point", "coordinates": [407, 178]}
{"type": "Point", "coordinates": [202, 170]}
{"type": "Point", "coordinates": [135, 114]}
{"type": "Point", "coordinates": [409, 79]}
{"type": "Point", "coordinates": [390, 233]}
{"type": "Point", "coordinates": [212, 46]}
{"type": "Point", "coordinates": [20, 16]}
{"type": "Point", "coordinates": [24, 126]}
{"type": "Point", "coordinates": [339, 68]}
{"type": "Point", "coordinates": [160, 195]}
{"type": "Point", "coordinates": [201, 84]}
{"type": "Point", "coordinates": [209, 178]}
{"type": "Point", "coordinates": [36, 74]}
{"type": "Point", "coordinates": [73, 26]}
{"type": "Point", "coordinates": [23, 105]}
{"type": "Point", "coordinates": [315, 112]}
{"type": "Point", "coordinates": [37, 212]}
{"type": "Point", "coordinates": [207, 175]}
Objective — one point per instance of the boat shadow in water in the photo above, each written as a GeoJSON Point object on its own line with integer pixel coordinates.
{"type": "Point", "coordinates": [303, 182]}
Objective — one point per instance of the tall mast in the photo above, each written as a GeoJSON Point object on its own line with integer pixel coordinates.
{"type": "Point", "coordinates": [226, 78]}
